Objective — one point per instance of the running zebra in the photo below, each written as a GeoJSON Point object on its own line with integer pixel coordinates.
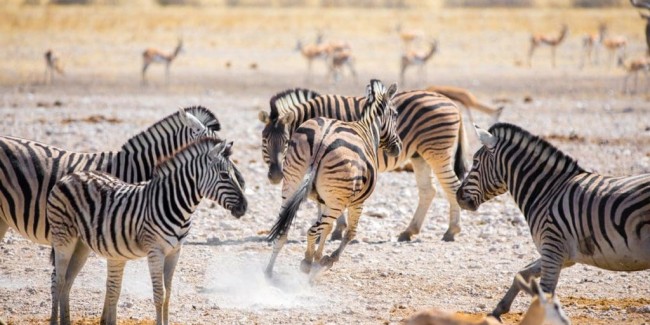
{"type": "Point", "coordinates": [429, 124]}
{"type": "Point", "coordinates": [95, 211]}
{"type": "Point", "coordinates": [335, 163]}
{"type": "Point", "coordinates": [29, 169]}
{"type": "Point", "coordinates": [575, 216]}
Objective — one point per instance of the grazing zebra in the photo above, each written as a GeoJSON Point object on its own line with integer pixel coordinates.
{"type": "Point", "coordinates": [575, 216]}
{"type": "Point", "coordinates": [335, 163]}
{"type": "Point", "coordinates": [29, 169]}
{"type": "Point", "coordinates": [429, 124]}
{"type": "Point", "coordinates": [95, 211]}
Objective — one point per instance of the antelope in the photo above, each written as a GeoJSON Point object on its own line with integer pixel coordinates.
{"type": "Point", "coordinates": [52, 66]}
{"type": "Point", "coordinates": [537, 40]}
{"type": "Point", "coordinates": [644, 5]}
{"type": "Point", "coordinates": [152, 55]}
{"type": "Point", "coordinates": [311, 52]}
{"type": "Point", "coordinates": [634, 66]}
{"type": "Point", "coordinates": [591, 44]}
{"type": "Point", "coordinates": [468, 100]}
{"type": "Point", "coordinates": [416, 58]}
{"type": "Point", "coordinates": [543, 309]}
{"type": "Point", "coordinates": [337, 60]}
{"type": "Point", "coordinates": [615, 46]}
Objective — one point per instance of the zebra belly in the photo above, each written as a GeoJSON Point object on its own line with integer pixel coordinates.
{"type": "Point", "coordinates": [635, 256]}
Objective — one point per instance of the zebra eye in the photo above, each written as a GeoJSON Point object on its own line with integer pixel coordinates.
{"type": "Point", "coordinates": [224, 175]}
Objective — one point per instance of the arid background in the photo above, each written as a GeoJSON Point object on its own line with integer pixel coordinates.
{"type": "Point", "coordinates": [235, 59]}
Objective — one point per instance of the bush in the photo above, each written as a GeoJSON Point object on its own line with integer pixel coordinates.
{"type": "Point", "coordinates": [490, 3]}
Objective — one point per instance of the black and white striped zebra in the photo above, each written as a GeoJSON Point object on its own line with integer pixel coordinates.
{"type": "Point", "coordinates": [430, 125]}
{"type": "Point", "coordinates": [575, 216]}
{"type": "Point", "coordinates": [95, 211]}
{"type": "Point", "coordinates": [335, 163]}
{"type": "Point", "coordinates": [29, 169]}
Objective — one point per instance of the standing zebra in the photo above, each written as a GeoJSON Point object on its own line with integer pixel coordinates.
{"type": "Point", "coordinates": [335, 163]}
{"type": "Point", "coordinates": [95, 211]}
{"type": "Point", "coordinates": [429, 124]}
{"type": "Point", "coordinates": [575, 216]}
{"type": "Point", "coordinates": [30, 169]}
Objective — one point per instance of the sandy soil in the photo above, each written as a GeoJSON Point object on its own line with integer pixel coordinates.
{"type": "Point", "coordinates": [100, 103]}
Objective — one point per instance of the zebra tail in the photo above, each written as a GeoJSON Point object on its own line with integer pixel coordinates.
{"type": "Point", "coordinates": [290, 209]}
{"type": "Point", "coordinates": [459, 160]}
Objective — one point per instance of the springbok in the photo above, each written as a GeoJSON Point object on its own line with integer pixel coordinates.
{"type": "Point", "coordinates": [52, 66]}
{"type": "Point", "coordinates": [634, 66]}
{"type": "Point", "coordinates": [615, 46]}
{"type": "Point", "coordinates": [152, 55]}
{"type": "Point", "coordinates": [417, 58]}
{"type": "Point", "coordinates": [537, 40]}
{"type": "Point", "coordinates": [543, 310]}
{"type": "Point", "coordinates": [591, 44]}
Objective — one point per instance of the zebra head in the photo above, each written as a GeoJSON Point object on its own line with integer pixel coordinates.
{"type": "Point", "coordinates": [485, 180]}
{"type": "Point", "coordinates": [222, 180]}
{"type": "Point", "coordinates": [379, 99]}
{"type": "Point", "coordinates": [275, 137]}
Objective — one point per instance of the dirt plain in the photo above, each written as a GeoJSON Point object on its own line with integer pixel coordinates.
{"type": "Point", "coordinates": [100, 103]}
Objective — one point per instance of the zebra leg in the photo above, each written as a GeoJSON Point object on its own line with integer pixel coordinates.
{"type": "Point", "coordinates": [277, 247]}
{"type": "Point", "coordinates": [426, 193]}
{"type": "Point", "coordinates": [3, 229]}
{"type": "Point", "coordinates": [533, 269]}
{"type": "Point", "coordinates": [320, 229]}
{"type": "Point", "coordinates": [156, 261]}
{"type": "Point", "coordinates": [114, 275]}
{"type": "Point", "coordinates": [170, 266]}
{"type": "Point", "coordinates": [62, 256]}
{"type": "Point", "coordinates": [341, 224]}
{"type": "Point", "coordinates": [75, 264]}
{"type": "Point", "coordinates": [450, 184]}
{"type": "Point", "coordinates": [354, 212]}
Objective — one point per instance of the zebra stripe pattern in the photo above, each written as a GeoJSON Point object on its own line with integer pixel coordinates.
{"type": "Point", "coordinates": [575, 216]}
{"type": "Point", "coordinates": [95, 211]}
{"type": "Point", "coordinates": [29, 169]}
{"type": "Point", "coordinates": [430, 126]}
{"type": "Point", "coordinates": [335, 163]}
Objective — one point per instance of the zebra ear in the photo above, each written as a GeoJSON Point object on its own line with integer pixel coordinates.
{"type": "Point", "coordinates": [223, 149]}
{"type": "Point", "coordinates": [391, 90]}
{"type": "Point", "coordinates": [264, 117]}
{"type": "Point", "coordinates": [485, 137]}
{"type": "Point", "coordinates": [190, 120]}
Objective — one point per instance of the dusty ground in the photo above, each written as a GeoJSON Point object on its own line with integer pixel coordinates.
{"type": "Point", "coordinates": [100, 103]}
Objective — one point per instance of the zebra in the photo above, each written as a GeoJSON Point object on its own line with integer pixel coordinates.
{"type": "Point", "coordinates": [574, 215]}
{"type": "Point", "coordinates": [335, 163]}
{"type": "Point", "coordinates": [29, 169]}
{"type": "Point", "coordinates": [120, 221]}
{"type": "Point", "coordinates": [429, 124]}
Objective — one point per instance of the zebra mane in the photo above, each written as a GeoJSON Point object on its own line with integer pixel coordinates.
{"type": "Point", "coordinates": [201, 113]}
{"type": "Point", "coordinates": [506, 131]}
{"type": "Point", "coordinates": [289, 98]}
{"type": "Point", "coordinates": [189, 151]}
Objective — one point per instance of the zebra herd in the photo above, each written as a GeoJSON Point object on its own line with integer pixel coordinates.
{"type": "Point", "coordinates": [138, 201]}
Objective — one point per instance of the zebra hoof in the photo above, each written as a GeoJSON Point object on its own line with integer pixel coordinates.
{"type": "Point", "coordinates": [405, 236]}
{"type": "Point", "coordinates": [497, 317]}
{"type": "Point", "coordinates": [337, 235]}
{"type": "Point", "coordinates": [305, 266]}
{"type": "Point", "coordinates": [448, 236]}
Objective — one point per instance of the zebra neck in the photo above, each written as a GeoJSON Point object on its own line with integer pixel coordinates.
{"type": "Point", "coordinates": [533, 174]}
{"type": "Point", "coordinates": [174, 194]}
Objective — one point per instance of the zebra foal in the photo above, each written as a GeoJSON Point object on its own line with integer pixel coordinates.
{"type": "Point", "coordinates": [429, 125]}
{"type": "Point", "coordinates": [335, 163]}
{"type": "Point", "coordinates": [94, 211]}
{"type": "Point", "coordinates": [575, 216]}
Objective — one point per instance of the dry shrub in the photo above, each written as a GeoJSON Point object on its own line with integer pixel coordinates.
{"type": "Point", "coordinates": [596, 3]}
{"type": "Point", "coordinates": [92, 119]}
